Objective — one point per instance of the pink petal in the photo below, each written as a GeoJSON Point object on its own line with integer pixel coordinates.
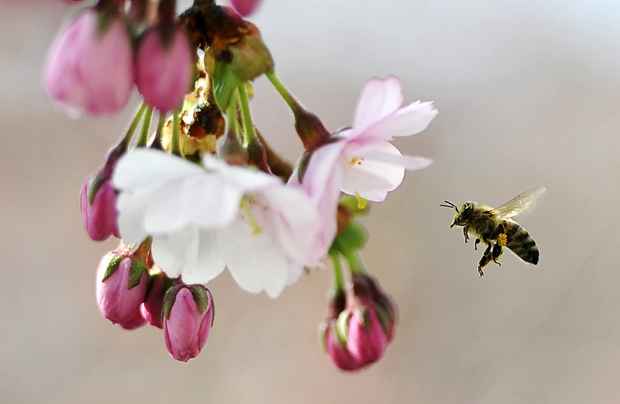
{"type": "Point", "coordinates": [379, 98]}
{"type": "Point", "coordinates": [407, 121]}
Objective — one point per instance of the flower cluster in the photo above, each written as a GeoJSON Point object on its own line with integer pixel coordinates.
{"type": "Point", "coordinates": [203, 191]}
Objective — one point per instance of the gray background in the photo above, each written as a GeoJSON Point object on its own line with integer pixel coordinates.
{"type": "Point", "coordinates": [528, 93]}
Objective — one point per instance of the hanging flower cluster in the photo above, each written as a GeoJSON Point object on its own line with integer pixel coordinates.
{"type": "Point", "coordinates": [202, 191]}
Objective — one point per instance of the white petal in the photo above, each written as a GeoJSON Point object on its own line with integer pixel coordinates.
{"type": "Point", "coordinates": [202, 200]}
{"type": "Point", "coordinates": [372, 179]}
{"type": "Point", "coordinates": [131, 208]}
{"type": "Point", "coordinates": [245, 179]}
{"type": "Point", "coordinates": [208, 262]}
{"type": "Point", "coordinates": [407, 121]}
{"type": "Point", "coordinates": [294, 221]}
{"type": "Point", "coordinates": [253, 260]}
{"type": "Point", "coordinates": [147, 168]}
{"type": "Point", "coordinates": [379, 98]}
{"type": "Point", "coordinates": [171, 252]}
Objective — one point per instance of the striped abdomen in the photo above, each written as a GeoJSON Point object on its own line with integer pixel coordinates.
{"type": "Point", "coordinates": [520, 242]}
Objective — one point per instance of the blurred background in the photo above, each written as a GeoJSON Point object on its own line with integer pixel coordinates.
{"type": "Point", "coordinates": [528, 94]}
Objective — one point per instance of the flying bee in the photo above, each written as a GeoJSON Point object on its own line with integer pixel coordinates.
{"type": "Point", "coordinates": [495, 227]}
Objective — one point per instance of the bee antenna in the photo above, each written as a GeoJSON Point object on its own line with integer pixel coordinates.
{"type": "Point", "coordinates": [448, 204]}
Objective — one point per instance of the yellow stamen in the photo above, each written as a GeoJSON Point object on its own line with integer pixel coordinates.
{"type": "Point", "coordinates": [361, 202]}
{"type": "Point", "coordinates": [246, 210]}
{"type": "Point", "coordinates": [355, 161]}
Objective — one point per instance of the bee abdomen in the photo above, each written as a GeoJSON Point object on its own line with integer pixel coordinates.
{"type": "Point", "coordinates": [522, 244]}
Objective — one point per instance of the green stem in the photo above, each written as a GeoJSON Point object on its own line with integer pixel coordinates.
{"type": "Point", "coordinates": [249, 133]}
{"type": "Point", "coordinates": [176, 131]}
{"type": "Point", "coordinates": [146, 125]}
{"type": "Point", "coordinates": [284, 93]}
{"type": "Point", "coordinates": [337, 267]}
{"type": "Point", "coordinates": [355, 262]}
{"type": "Point", "coordinates": [160, 124]}
{"type": "Point", "coordinates": [133, 125]}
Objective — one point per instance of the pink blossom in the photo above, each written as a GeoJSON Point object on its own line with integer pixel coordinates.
{"type": "Point", "coordinates": [366, 340]}
{"type": "Point", "coordinates": [361, 160]}
{"type": "Point", "coordinates": [118, 298]}
{"type": "Point", "coordinates": [89, 70]}
{"type": "Point", "coordinates": [99, 214]}
{"type": "Point", "coordinates": [188, 321]}
{"type": "Point", "coordinates": [164, 69]}
{"type": "Point", "coordinates": [245, 7]}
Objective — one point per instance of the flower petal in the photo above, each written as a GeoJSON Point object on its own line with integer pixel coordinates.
{"type": "Point", "coordinates": [294, 222]}
{"type": "Point", "coordinates": [410, 120]}
{"type": "Point", "coordinates": [208, 262]}
{"type": "Point", "coordinates": [411, 163]}
{"type": "Point", "coordinates": [147, 168]}
{"type": "Point", "coordinates": [204, 200]}
{"type": "Point", "coordinates": [172, 251]}
{"type": "Point", "coordinates": [369, 178]}
{"type": "Point", "coordinates": [254, 261]}
{"type": "Point", "coordinates": [131, 208]}
{"type": "Point", "coordinates": [379, 98]}
{"type": "Point", "coordinates": [246, 179]}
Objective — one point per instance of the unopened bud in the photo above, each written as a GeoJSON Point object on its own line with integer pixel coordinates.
{"type": "Point", "coordinates": [121, 288]}
{"type": "Point", "coordinates": [152, 308]}
{"type": "Point", "coordinates": [188, 317]}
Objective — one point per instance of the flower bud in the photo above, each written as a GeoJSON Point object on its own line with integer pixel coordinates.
{"type": "Point", "coordinates": [90, 65]}
{"type": "Point", "coordinates": [366, 340]}
{"type": "Point", "coordinates": [98, 206]}
{"type": "Point", "coordinates": [367, 288]}
{"type": "Point", "coordinates": [245, 7]}
{"type": "Point", "coordinates": [337, 349]}
{"type": "Point", "coordinates": [188, 317]}
{"type": "Point", "coordinates": [152, 308]}
{"type": "Point", "coordinates": [164, 68]}
{"type": "Point", "coordinates": [121, 288]}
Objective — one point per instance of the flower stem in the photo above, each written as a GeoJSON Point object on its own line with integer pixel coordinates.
{"type": "Point", "coordinates": [176, 132]}
{"type": "Point", "coordinates": [337, 268]}
{"type": "Point", "coordinates": [284, 93]}
{"type": "Point", "coordinates": [249, 133]}
{"type": "Point", "coordinates": [132, 126]}
{"type": "Point", "coordinates": [146, 125]}
{"type": "Point", "coordinates": [355, 262]}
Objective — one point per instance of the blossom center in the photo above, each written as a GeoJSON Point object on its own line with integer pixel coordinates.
{"type": "Point", "coordinates": [356, 161]}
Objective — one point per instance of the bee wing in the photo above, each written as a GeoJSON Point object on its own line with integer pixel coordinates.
{"type": "Point", "coordinates": [519, 203]}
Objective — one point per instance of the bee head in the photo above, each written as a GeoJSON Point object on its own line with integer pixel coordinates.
{"type": "Point", "coordinates": [462, 215]}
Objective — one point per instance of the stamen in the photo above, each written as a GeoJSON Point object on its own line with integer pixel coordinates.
{"type": "Point", "coordinates": [361, 202]}
{"type": "Point", "coordinates": [248, 215]}
{"type": "Point", "coordinates": [356, 161]}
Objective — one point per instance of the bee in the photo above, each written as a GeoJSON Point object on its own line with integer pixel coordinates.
{"type": "Point", "coordinates": [495, 227]}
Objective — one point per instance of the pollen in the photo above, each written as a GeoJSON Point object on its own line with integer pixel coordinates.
{"type": "Point", "coordinates": [356, 161]}
{"type": "Point", "coordinates": [502, 239]}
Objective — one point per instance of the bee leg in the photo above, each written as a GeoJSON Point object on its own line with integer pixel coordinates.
{"type": "Point", "coordinates": [466, 233]}
{"type": "Point", "coordinates": [486, 258]}
{"type": "Point", "coordinates": [497, 252]}
{"type": "Point", "coordinates": [476, 244]}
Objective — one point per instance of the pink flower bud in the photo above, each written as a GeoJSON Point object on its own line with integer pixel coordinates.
{"type": "Point", "coordinates": [98, 206]}
{"type": "Point", "coordinates": [164, 68]}
{"type": "Point", "coordinates": [90, 65]}
{"type": "Point", "coordinates": [245, 7]}
{"type": "Point", "coordinates": [367, 289]}
{"type": "Point", "coordinates": [121, 288]}
{"type": "Point", "coordinates": [366, 340]}
{"type": "Point", "coordinates": [153, 305]}
{"type": "Point", "coordinates": [188, 318]}
{"type": "Point", "coordinates": [337, 350]}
